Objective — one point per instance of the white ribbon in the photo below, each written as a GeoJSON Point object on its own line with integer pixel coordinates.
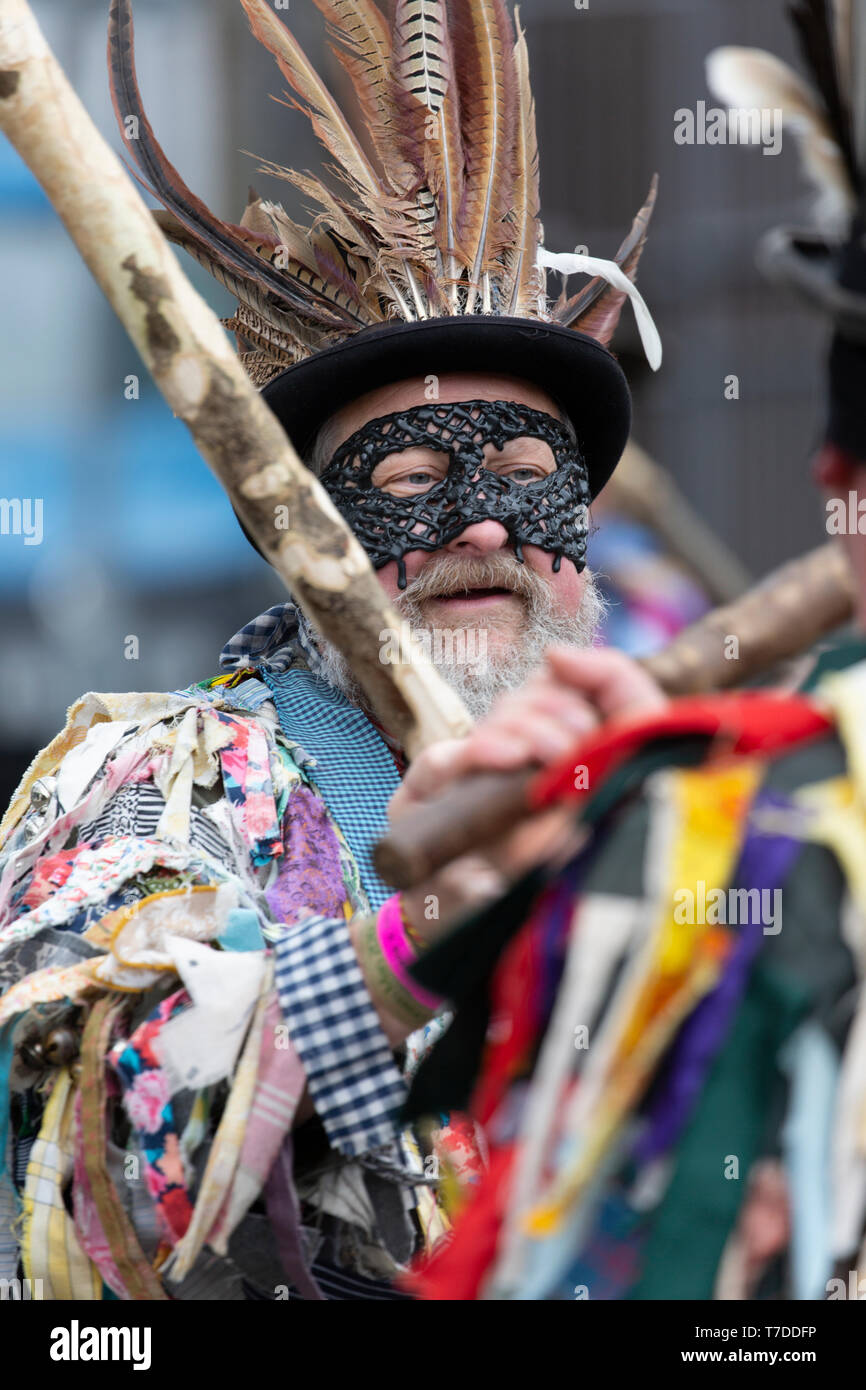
{"type": "Point", "coordinates": [571, 263]}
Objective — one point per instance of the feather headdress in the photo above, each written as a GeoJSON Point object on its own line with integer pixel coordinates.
{"type": "Point", "coordinates": [434, 214]}
{"type": "Point", "coordinates": [827, 112]}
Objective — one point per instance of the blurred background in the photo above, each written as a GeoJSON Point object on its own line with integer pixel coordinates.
{"type": "Point", "coordinates": [139, 541]}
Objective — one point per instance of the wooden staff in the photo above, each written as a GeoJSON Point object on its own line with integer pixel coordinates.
{"type": "Point", "coordinates": [781, 617]}
{"type": "Point", "coordinates": [184, 346]}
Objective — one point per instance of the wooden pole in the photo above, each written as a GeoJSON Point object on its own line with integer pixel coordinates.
{"type": "Point", "coordinates": [186, 349]}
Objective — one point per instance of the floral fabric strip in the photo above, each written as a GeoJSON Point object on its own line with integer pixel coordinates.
{"type": "Point", "coordinates": [249, 788]}
{"type": "Point", "coordinates": [96, 874]}
{"type": "Point", "coordinates": [104, 1228]}
{"type": "Point", "coordinates": [148, 1104]}
{"type": "Point", "coordinates": [310, 876]}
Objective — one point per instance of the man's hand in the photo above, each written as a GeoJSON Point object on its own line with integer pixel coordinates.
{"type": "Point", "coordinates": [535, 725]}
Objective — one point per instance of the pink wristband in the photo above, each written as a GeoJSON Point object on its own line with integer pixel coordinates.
{"type": "Point", "coordinates": [399, 952]}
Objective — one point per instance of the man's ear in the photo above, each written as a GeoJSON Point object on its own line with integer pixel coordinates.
{"type": "Point", "coordinates": [596, 309]}
{"type": "Point", "coordinates": [834, 469]}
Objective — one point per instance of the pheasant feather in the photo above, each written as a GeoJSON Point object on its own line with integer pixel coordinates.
{"type": "Point", "coordinates": [434, 212]}
{"type": "Point", "coordinates": [487, 80]}
{"type": "Point", "coordinates": [361, 42]}
{"type": "Point", "coordinates": [222, 240]}
{"type": "Point", "coordinates": [597, 307]}
{"type": "Point", "coordinates": [523, 289]}
{"type": "Point", "coordinates": [428, 103]}
{"type": "Point", "coordinates": [813, 20]}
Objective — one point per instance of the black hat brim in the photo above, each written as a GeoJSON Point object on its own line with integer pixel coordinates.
{"type": "Point", "coordinates": [581, 375]}
{"type": "Point", "coordinates": [807, 262]}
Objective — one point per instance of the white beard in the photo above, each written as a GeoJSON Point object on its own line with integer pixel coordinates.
{"type": "Point", "coordinates": [506, 666]}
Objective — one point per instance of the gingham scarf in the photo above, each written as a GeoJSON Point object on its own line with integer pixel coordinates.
{"type": "Point", "coordinates": [274, 641]}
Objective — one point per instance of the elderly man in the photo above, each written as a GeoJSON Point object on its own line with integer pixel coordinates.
{"type": "Point", "coordinates": [248, 1096]}
{"type": "Point", "coordinates": [525, 610]}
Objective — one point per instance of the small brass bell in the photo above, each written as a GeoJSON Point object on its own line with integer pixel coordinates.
{"type": "Point", "coordinates": [60, 1046]}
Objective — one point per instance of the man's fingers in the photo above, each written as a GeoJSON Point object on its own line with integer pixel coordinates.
{"type": "Point", "coordinates": [540, 723]}
{"type": "Point", "coordinates": [543, 737]}
{"type": "Point", "coordinates": [427, 773]}
{"type": "Point", "coordinates": [610, 681]}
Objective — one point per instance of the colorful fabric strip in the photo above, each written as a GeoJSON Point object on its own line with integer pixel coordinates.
{"type": "Point", "coordinates": [249, 789]}
{"type": "Point", "coordinates": [104, 1228]}
{"type": "Point", "coordinates": [279, 1087]}
{"type": "Point", "coordinates": [765, 862]}
{"type": "Point", "coordinates": [148, 1104]}
{"type": "Point", "coordinates": [225, 1150]}
{"type": "Point", "coordinates": [309, 875]}
{"type": "Point", "coordinates": [50, 1247]}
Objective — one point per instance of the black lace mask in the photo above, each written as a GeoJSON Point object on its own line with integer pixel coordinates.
{"type": "Point", "coordinates": [551, 512]}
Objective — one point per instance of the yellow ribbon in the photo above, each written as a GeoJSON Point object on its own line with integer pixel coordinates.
{"type": "Point", "coordinates": [680, 964]}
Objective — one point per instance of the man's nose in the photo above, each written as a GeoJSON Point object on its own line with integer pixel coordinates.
{"type": "Point", "coordinates": [481, 538]}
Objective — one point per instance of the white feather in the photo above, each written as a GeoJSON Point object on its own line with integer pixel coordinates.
{"type": "Point", "coordinates": [749, 78]}
{"type": "Point", "coordinates": [570, 263]}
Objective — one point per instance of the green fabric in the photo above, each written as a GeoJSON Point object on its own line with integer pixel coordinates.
{"type": "Point", "coordinates": [839, 658]}
{"type": "Point", "coordinates": [700, 1207]}
{"type": "Point", "coordinates": [809, 949]}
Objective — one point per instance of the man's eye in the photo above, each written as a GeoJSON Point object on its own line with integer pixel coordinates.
{"type": "Point", "coordinates": [526, 473]}
{"type": "Point", "coordinates": [422, 479]}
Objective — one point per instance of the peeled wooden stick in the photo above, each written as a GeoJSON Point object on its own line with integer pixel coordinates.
{"type": "Point", "coordinates": [778, 619]}
{"type": "Point", "coordinates": [184, 346]}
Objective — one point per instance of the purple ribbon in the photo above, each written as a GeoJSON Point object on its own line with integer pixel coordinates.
{"type": "Point", "coordinates": [765, 862]}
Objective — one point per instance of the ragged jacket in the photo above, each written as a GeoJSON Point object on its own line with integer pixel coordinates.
{"type": "Point", "coordinates": [148, 1081]}
{"type": "Point", "coordinates": [669, 1057]}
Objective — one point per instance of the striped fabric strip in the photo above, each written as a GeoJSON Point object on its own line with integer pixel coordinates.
{"type": "Point", "coordinates": [278, 1089]}
{"type": "Point", "coordinates": [50, 1248]}
{"type": "Point", "coordinates": [250, 694]}
{"type": "Point", "coordinates": [136, 810]}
